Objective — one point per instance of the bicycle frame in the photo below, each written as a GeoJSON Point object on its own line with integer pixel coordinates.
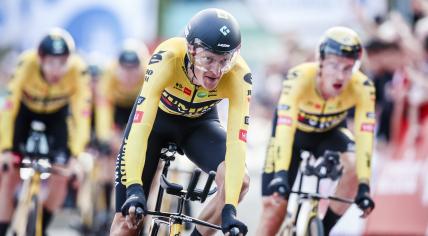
{"type": "Point", "coordinates": [176, 220]}
{"type": "Point", "coordinates": [30, 189]}
{"type": "Point", "coordinates": [312, 198]}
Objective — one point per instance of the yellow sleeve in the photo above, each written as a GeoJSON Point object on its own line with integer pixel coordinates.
{"type": "Point", "coordinates": [364, 128]}
{"type": "Point", "coordinates": [237, 126]}
{"type": "Point", "coordinates": [104, 114]}
{"type": "Point", "coordinates": [134, 144]}
{"type": "Point", "coordinates": [11, 105]}
{"type": "Point", "coordinates": [81, 112]}
{"type": "Point", "coordinates": [287, 111]}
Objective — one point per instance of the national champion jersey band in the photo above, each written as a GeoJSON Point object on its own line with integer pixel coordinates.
{"type": "Point", "coordinates": [29, 87]}
{"type": "Point", "coordinates": [301, 107]}
{"type": "Point", "coordinates": [168, 88]}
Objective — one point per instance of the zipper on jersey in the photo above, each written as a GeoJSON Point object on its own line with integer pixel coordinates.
{"type": "Point", "coordinates": [193, 98]}
{"type": "Point", "coordinates": [324, 105]}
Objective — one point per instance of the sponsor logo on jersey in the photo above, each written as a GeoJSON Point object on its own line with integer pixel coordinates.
{"type": "Point", "coordinates": [371, 115]}
{"type": "Point", "coordinates": [138, 116]}
{"type": "Point", "coordinates": [212, 93]}
{"type": "Point", "coordinates": [157, 57]}
{"type": "Point", "coordinates": [120, 172]}
{"type": "Point", "coordinates": [367, 127]}
{"type": "Point", "coordinates": [368, 82]}
{"type": "Point", "coordinates": [284, 120]}
{"type": "Point", "coordinates": [321, 122]}
{"type": "Point", "coordinates": [140, 100]}
{"type": "Point", "coordinates": [247, 120]}
{"type": "Point", "coordinates": [283, 107]}
{"type": "Point", "coordinates": [201, 94]}
{"type": "Point", "coordinates": [149, 72]}
{"type": "Point", "coordinates": [187, 91]}
{"type": "Point", "coordinates": [291, 75]}
{"type": "Point", "coordinates": [190, 109]}
{"type": "Point", "coordinates": [248, 78]}
{"type": "Point", "coordinates": [8, 105]}
{"type": "Point", "coordinates": [243, 135]}
{"type": "Point", "coordinates": [178, 86]}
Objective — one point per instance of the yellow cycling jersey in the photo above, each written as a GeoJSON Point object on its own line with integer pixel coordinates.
{"type": "Point", "coordinates": [111, 92]}
{"type": "Point", "coordinates": [29, 88]}
{"type": "Point", "coordinates": [301, 107]}
{"type": "Point", "coordinates": [167, 86]}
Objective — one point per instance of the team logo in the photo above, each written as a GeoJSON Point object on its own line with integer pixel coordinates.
{"type": "Point", "coordinates": [283, 107]}
{"type": "Point", "coordinates": [187, 91]}
{"type": "Point", "coordinates": [284, 120]}
{"type": "Point", "coordinates": [201, 94]}
{"type": "Point", "coordinates": [243, 135]}
{"type": "Point", "coordinates": [248, 78]}
{"type": "Point", "coordinates": [367, 127]}
{"type": "Point", "coordinates": [247, 120]}
{"type": "Point", "coordinates": [178, 86]}
{"type": "Point", "coordinates": [369, 83]}
{"type": "Point", "coordinates": [140, 100]}
{"type": "Point", "coordinates": [224, 30]}
{"type": "Point", "coordinates": [156, 57]}
{"type": "Point", "coordinates": [370, 115]}
{"type": "Point", "coordinates": [138, 116]}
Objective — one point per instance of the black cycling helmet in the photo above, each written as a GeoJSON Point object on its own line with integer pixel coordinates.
{"type": "Point", "coordinates": [129, 58]}
{"type": "Point", "coordinates": [215, 30]}
{"type": "Point", "coordinates": [58, 42]}
{"type": "Point", "coordinates": [341, 41]}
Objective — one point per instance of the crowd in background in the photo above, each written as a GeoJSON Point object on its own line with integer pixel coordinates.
{"type": "Point", "coordinates": [395, 58]}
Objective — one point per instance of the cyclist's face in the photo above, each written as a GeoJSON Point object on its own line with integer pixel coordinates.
{"type": "Point", "coordinates": [129, 75]}
{"type": "Point", "coordinates": [210, 67]}
{"type": "Point", "coordinates": [336, 71]}
{"type": "Point", "coordinates": [54, 67]}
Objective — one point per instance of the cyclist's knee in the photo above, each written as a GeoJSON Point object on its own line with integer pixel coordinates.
{"type": "Point", "coordinates": [10, 179]}
{"type": "Point", "coordinates": [119, 226]}
{"type": "Point", "coordinates": [348, 162]}
{"type": "Point", "coordinates": [272, 205]}
{"type": "Point", "coordinates": [245, 187]}
{"type": "Point", "coordinates": [273, 214]}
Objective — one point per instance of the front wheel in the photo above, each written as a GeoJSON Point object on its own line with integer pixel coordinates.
{"type": "Point", "coordinates": [315, 227]}
{"type": "Point", "coordinates": [33, 223]}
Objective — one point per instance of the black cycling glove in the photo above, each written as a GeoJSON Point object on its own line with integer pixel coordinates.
{"type": "Point", "coordinates": [229, 221]}
{"type": "Point", "coordinates": [363, 199]}
{"type": "Point", "coordinates": [134, 197]}
{"type": "Point", "coordinates": [279, 184]}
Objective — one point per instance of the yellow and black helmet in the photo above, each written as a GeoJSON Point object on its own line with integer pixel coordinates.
{"type": "Point", "coordinates": [58, 42]}
{"type": "Point", "coordinates": [341, 41]}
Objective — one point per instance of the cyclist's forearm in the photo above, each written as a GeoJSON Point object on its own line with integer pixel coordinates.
{"type": "Point", "coordinates": [235, 171]}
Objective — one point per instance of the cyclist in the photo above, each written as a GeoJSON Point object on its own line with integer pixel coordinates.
{"type": "Point", "coordinates": [48, 84]}
{"type": "Point", "coordinates": [185, 79]}
{"type": "Point", "coordinates": [117, 90]}
{"type": "Point", "coordinates": [311, 115]}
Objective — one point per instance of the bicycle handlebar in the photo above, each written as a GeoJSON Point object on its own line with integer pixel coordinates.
{"type": "Point", "coordinates": [193, 182]}
{"type": "Point", "coordinates": [319, 196]}
{"type": "Point", "coordinates": [206, 191]}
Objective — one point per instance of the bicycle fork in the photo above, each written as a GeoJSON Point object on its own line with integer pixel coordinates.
{"type": "Point", "coordinates": [31, 188]}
